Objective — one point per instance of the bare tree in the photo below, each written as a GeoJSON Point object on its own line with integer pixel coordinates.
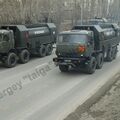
{"type": "Point", "coordinates": [57, 11]}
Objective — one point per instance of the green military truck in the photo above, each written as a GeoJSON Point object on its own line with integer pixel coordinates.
{"type": "Point", "coordinates": [87, 46]}
{"type": "Point", "coordinates": [18, 42]}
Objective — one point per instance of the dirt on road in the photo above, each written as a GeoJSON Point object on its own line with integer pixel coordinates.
{"type": "Point", "coordinates": [107, 108]}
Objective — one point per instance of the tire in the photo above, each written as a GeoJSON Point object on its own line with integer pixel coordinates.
{"type": "Point", "coordinates": [42, 51]}
{"type": "Point", "coordinates": [100, 61]}
{"type": "Point", "coordinates": [11, 60]}
{"type": "Point", "coordinates": [24, 56]}
{"type": "Point", "coordinates": [91, 67]}
{"type": "Point", "coordinates": [63, 68]}
{"type": "Point", "coordinates": [115, 53]}
{"type": "Point", "coordinates": [110, 55]}
{"type": "Point", "coordinates": [49, 49]}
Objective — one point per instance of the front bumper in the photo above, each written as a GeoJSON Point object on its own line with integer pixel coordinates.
{"type": "Point", "coordinates": [74, 62]}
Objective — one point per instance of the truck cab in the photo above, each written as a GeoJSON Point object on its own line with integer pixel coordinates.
{"type": "Point", "coordinates": [74, 49]}
{"type": "Point", "coordinates": [75, 43]}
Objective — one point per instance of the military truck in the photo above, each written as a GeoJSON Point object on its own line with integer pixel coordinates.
{"type": "Point", "coordinates": [97, 21]}
{"type": "Point", "coordinates": [86, 47]}
{"type": "Point", "coordinates": [18, 42]}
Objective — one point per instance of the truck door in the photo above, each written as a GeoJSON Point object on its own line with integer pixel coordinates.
{"type": "Point", "coordinates": [90, 45]}
{"type": "Point", "coordinates": [6, 42]}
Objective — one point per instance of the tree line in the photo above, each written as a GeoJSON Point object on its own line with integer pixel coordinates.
{"type": "Point", "coordinates": [57, 11]}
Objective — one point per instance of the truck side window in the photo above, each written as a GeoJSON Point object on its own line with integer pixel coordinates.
{"type": "Point", "coordinates": [6, 38]}
{"type": "Point", "coordinates": [1, 37]}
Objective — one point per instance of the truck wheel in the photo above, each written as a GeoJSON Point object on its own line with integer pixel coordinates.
{"type": "Point", "coordinates": [110, 55]}
{"type": "Point", "coordinates": [49, 49]}
{"type": "Point", "coordinates": [42, 51]}
{"type": "Point", "coordinates": [63, 68]}
{"type": "Point", "coordinates": [24, 56]}
{"type": "Point", "coordinates": [100, 61]}
{"type": "Point", "coordinates": [11, 60]}
{"type": "Point", "coordinates": [115, 53]}
{"type": "Point", "coordinates": [91, 67]}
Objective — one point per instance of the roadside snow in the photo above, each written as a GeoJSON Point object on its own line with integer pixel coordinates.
{"type": "Point", "coordinates": [107, 108]}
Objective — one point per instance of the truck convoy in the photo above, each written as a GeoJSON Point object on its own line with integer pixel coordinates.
{"type": "Point", "coordinates": [18, 42]}
{"type": "Point", "coordinates": [86, 47]}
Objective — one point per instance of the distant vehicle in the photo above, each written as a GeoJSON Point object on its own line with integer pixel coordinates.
{"type": "Point", "coordinates": [97, 21]}
{"type": "Point", "coordinates": [17, 42]}
{"type": "Point", "coordinates": [87, 46]}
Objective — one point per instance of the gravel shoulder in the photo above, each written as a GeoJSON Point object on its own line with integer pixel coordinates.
{"type": "Point", "coordinates": [106, 108]}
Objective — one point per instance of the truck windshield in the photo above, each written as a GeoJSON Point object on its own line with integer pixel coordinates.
{"type": "Point", "coordinates": [6, 38]}
{"type": "Point", "coordinates": [74, 38]}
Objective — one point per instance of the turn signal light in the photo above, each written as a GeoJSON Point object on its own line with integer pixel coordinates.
{"type": "Point", "coordinates": [81, 49]}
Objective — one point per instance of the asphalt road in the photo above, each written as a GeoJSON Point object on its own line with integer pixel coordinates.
{"type": "Point", "coordinates": [26, 94]}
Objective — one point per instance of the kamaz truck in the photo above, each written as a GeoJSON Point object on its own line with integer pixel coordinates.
{"type": "Point", "coordinates": [86, 47]}
{"type": "Point", "coordinates": [18, 42]}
